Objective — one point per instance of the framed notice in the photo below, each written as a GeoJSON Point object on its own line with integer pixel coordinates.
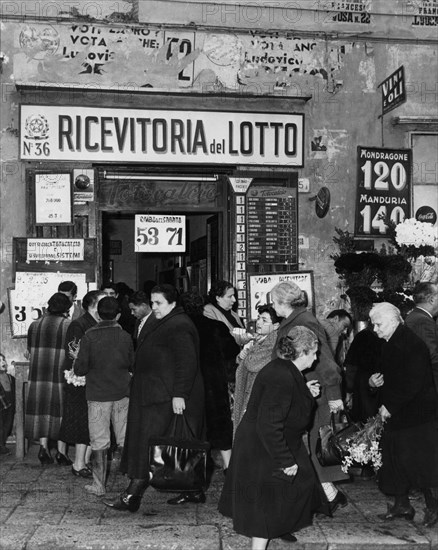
{"type": "Point", "coordinates": [260, 287]}
{"type": "Point", "coordinates": [53, 199]}
{"type": "Point", "coordinates": [69, 250]}
{"type": "Point", "coordinates": [383, 189]}
{"type": "Point", "coordinates": [160, 233]}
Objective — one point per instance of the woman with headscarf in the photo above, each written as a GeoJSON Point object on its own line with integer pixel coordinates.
{"type": "Point", "coordinates": [253, 357]}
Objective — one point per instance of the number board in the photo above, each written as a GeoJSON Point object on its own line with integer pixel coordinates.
{"type": "Point", "coordinates": [272, 226]}
{"type": "Point", "coordinates": [383, 189]}
{"type": "Point", "coordinates": [160, 233]}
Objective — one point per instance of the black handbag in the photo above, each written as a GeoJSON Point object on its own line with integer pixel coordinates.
{"type": "Point", "coordinates": [178, 460]}
{"type": "Point", "coordinates": [332, 443]}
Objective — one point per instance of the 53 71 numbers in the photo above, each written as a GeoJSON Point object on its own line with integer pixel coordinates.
{"type": "Point", "coordinates": [151, 236]}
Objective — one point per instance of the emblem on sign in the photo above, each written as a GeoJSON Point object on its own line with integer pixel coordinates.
{"type": "Point", "coordinates": [36, 127]}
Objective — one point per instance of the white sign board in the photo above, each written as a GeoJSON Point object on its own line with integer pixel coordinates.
{"type": "Point", "coordinates": [240, 185]}
{"type": "Point", "coordinates": [160, 136]}
{"type": "Point", "coordinates": [28, 301]}
{"type": "Point", "coordinates": [55, 250]}
{"type": "Point", "coordinates": [260, 287]}
{"type": "Point", "coordinates": [53, 199]}
{"type": "Point", "coordinates": [160, 233]}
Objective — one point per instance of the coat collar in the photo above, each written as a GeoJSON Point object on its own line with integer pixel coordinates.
{"type": "Point", "coordinates": [295, 313]}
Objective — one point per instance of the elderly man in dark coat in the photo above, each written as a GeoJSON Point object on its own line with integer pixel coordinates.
{"type": "Point", "coordinates": [409, 406]}
{"type": "Point", "coordinates": [421, 320]}
{"type": "Point", "coordinates": [167, 380]}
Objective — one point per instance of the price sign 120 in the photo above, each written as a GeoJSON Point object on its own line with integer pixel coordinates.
{"type": "Point", "coordinates": [383, 191]}
{"type": "Point", "coordinates": [160, 233]}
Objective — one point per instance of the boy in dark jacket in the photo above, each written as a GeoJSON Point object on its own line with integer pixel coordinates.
{"type": "Point", "coordinates": [106, 356]}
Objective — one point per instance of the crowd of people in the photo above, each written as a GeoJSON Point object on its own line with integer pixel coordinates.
{"type": "Point", "coordinates": [110, 375]}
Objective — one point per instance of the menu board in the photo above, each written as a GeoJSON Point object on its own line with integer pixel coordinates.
{"type": "Point", "coordinates": [272, 226]}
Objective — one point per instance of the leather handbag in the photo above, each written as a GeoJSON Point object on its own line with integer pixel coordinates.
{"type": "Point", "coordinates": [332, 443]}
{"type": "Point", "coordinates": [178, 460]}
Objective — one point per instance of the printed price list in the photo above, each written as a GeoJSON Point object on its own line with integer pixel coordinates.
{"type": "Point", "coordinates": [272, 226]}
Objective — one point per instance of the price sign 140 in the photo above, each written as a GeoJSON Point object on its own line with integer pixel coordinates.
{"type": "Point", "coordinates": [160, 233]}
{"type": "Point", "coordinates": [383, 189]}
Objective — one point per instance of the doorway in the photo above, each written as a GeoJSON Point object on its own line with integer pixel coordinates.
{"type": "Point", "coordinates": [197, 267]}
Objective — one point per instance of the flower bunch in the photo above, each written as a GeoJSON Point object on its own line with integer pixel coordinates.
{"type": "Point", "coordinates": [412, 232]}
{"type": "Point", "coordinates": [72, 378]}
{"type": "Point", "coordinates": [363, 447]}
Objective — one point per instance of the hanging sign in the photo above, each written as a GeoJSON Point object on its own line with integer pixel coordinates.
{"type": "Point", "coordinates": [52, 250]}
{"type": "Point", "coordinates": [383, 180]}
{"type": "Point", "coordinates": [240, 185]}
{"type": "Point", "coordinates": [69, 133]}
{"type": "Point", "coordinates": [160, 233]}
{"type": "Point", "coordinates": [53, 199]}
{"type": "Point", "coordinates": [393, 90]}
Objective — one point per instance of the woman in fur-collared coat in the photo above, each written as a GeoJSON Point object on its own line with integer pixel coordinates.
{"type": "Point", "coordinates": [167, 380]}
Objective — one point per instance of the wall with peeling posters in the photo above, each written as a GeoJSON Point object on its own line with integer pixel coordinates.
{"type": "Point", "coordinates": [337, 53]}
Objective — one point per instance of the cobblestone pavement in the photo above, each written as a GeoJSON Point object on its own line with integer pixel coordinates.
{"type": "Point", "coordinates": [46, 507]}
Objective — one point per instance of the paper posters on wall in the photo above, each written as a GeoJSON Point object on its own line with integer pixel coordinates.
{"type": "Point", "coordinates": [260, 287]}
{"type": "Point", "coordinates": [28, 301]}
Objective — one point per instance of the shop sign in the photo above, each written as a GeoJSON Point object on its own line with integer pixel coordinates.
{"type": "Point", "coordinates": [160, 233]}
{"type": "Point", "coordinates": [52, 250]}
{"type": "Point", "coordinates": [260, 287]}
{"type": "Point", "coordinates": [383, 180]}
{"type": "Point", "coordinates": [160, 136]}
{"type": "Point", "coordinates": [393, 90]}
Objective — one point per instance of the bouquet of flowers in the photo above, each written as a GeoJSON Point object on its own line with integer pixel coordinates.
{"type": "Point", "coordinates": [414, 238]}
{"type": "Point", "coordinates": [70, 376]}
{"type": "Point", "coordinates": [363, 447]}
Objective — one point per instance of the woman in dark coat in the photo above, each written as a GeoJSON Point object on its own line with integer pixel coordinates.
{"type": "Point", "coordinates": [220, 308]}
{"type": "Point", "coordinates": [362, 360]}
{"type": "Point", "coordinates": [217, 350]}
{"type": "Point", "coordinates": [288, 302]}
{"type": "Point", "coordinates": [74, 426]}
{"type": "Point", "coordinates": [45, 344]}
{"type": "Point", "coordinates": [166, 381]}
{"type": "Point", "coordinates": [409, 406]}
{"type": "Point", "coordinates": [271, 488]}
